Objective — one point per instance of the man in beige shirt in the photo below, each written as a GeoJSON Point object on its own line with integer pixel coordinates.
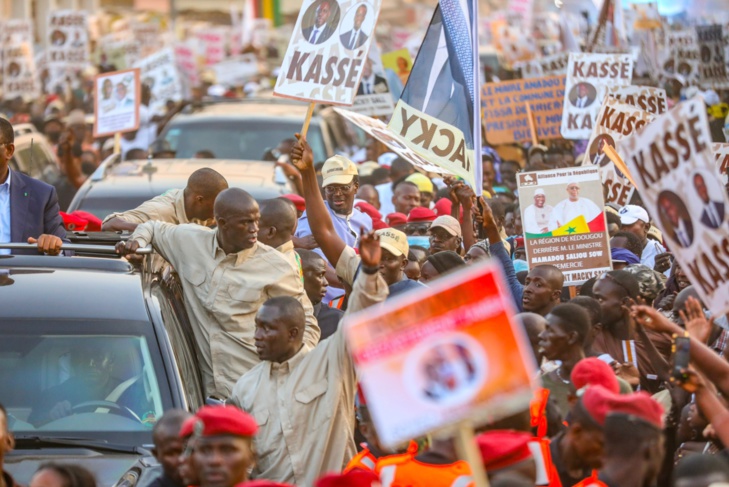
{"type": "Point", "coordinates": [226, 276]}
{"type": "Point", "coordinates": [303, 398]}
{"type": "Point", "coordinates": [276, 229]}
{"type": "Point", "coordinates": [194, 204]}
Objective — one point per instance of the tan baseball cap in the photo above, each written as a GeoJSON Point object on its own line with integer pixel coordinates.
{"type": "Point", "coordinates": [338, 170]}
{"type": "Point", "coordinates": [449, 224]}
{"type": "Point", "coordinates": [394, 241]}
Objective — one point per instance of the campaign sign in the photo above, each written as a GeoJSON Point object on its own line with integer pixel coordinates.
{"type": "Point", "coordinates": [674, 168]}
{"type": "Point", "coordinates": [647, 98]}
{"type": "Point", "coordinates": [564, 222]}
{"type": "Point", "coordinates": [117, 98]}
{"type": "Point", "coordinates": [326, 55]}
{"type": "Point", "coordinates": [588, 78]}
{"type": "Point", "coordinates": [68, 39]}
{"type": "Point", "coordinates": [159, 73]}
{"type": "Point", "coordinates": [450, 353]}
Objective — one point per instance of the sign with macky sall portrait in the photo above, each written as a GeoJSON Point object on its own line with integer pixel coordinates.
{"type": "Point", "coordinates": [673, 166]}
{"type": "Point", "coordinates": [327, 52]}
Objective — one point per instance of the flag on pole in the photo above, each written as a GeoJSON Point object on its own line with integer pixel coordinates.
{"type": "Point", "coordinates": [438, 114]}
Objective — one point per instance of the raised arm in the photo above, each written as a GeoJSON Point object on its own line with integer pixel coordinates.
{"type": "Point", "coordinates": [147, 211]}
{"type": "Point", "coordinates": [498, 251]}
{"type": "Point", "coordinates": [162, 236]}
{"type": "Point", "coordinates": [708, 403]}
{"type": "Point", "coordinates": [320, 221]}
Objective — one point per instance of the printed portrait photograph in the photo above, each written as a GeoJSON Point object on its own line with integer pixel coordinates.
{"type": "Point", "coordinates": [582, 95]}
{"type": "Point", "coordinates": [320, 21]}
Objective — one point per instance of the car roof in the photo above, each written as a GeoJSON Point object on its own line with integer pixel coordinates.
{"type": "Point", "coordinates": [48, 287]}
{"type": "Point", "coordinates": [250, 110]}
{"type": "Point", "coordinates": [153, 177]}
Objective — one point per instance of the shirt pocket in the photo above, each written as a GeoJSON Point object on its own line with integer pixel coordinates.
{"type": "Point", "coordinates": [311, 408]}
{"type": "Point", "coordinates": [244, 300]}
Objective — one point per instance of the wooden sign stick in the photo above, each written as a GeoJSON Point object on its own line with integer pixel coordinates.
{"type": "Point", "coordinates": [468, 451]}
{"type": "Point", "coordinates": [613, 156]}
{"type": "Point", "coordinates": [307, 120]}
{"type": "Point", "coordinates": [532, 124]}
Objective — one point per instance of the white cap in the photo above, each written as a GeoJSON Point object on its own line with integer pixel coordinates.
{"type": "Point", "coordinates": [630, 214]}
{"type": "Point", "coordinates": [449, 224]}
{"type": "Point", "coordinates": [539, 192]}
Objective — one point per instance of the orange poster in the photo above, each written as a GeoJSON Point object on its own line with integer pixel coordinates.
{"type": "Point", "coordinates": [436, 358]}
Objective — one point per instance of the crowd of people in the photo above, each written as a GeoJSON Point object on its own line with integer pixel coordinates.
{"type": "Point", "coordinates": [268, 284]}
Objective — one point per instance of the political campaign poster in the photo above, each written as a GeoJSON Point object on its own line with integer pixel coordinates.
{"type": "Point", "coordinates": [646, 16]}
{"type": "Point", "coordinates": [19, 74]}
{"type": "Point", "coordinates": [682, 56]}
{"type": "Point", "coordinates": [148, 35]}
{"type": "Point", "coordinates": [187, 64]}
{"type": "Point", "coordinates": [615, 121]}
{"type": "Point", "coordinates": [712, 68]}
{"type": "Point", "coordinates": [439, 112]}
{"type": "Point", "coordinates": [117, 97]}
{"type": "Point", "coordinates": [525, 9]}
{"type": "Point", "coordinates": [433, 359]}
{"type": "Point", "coordinates": [374, 97]}
{"type": "Point", "coordinates": [400, 62]}
{"type": "Point", "coordinates": [159, 73]}
{"type": "Point", "coordinates": [68, 39]}
{"type": "Point", "coordinates": [588, 78]}
{"type": "Point", "coordinates": [647, 98]}
{"type": "Point", "coordinates": [211, 44]}
{"type": "Point", "coordinates": [721, 157]}
{"type": "Point", "coordinates": [121, 54]}
{"type": "Point", "coordinates": [235, 71]}
{"type": "Point", "coordinates": [674, 168]}
{"type": "Point", "coordinates": [326, 55]}
{"type": "Point", "coordinates": [564, 223]}
{"type": "Point", "coordinates": [553, 65]}
{"type": "Point", "coordinates": [504, 108]}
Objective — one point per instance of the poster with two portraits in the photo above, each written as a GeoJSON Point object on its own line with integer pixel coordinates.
{"type": "Point", "coordinates": [117, 97]}
{"type": "Point", "coordinates": [673, 165]}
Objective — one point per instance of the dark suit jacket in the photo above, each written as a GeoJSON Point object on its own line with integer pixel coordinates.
{"type": "Point", "coordinates": [719, 208]}
{"type": "Point", "coordinates": [346, 39]}
{"type": "Point", "coordinates": [674, 235]}
{"type": "Point", "coordinates": [377, 85]}
{"type": "Point", "coordinates": [325, 34]}
{"type": "Point", "coordinates": [33, 209]}
{"type": "Point", "coordinates": [590, 99]}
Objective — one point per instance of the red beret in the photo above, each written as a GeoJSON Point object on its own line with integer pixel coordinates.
{"type": "Point", "coordinates": [640, 405]}
{"type": "Point", "coordinates": [93, 222]}
{"type": "Point", "coordinates": [444, 206]}
{"type": "Point", "coordinates": [597, 401]}
{"type": "Point", "coordinates": [503, 448]}
{"type": "Point", "coordinates": [221, 420]}
{"type": "Point", "coordinates": [367, 208]}
{"type": "Point", "coordinates": [519, 242]}
{"type": "Point", "coordinates": [263, 483]}
{"type": "Point", "coordinates": [420, 214]}
{"type": "Point", "coordinates": [378, 224]}
{"type": "Point", "coordinates": [594, 372]}
{"type": "Point", "coordinates": [394, 219]}
{"type": "Point", "coordinates": [73, 223]}
{"type": "Point", "coordinates": [297, 200]}
{"type": "Point", "coordinates": [353, 478]}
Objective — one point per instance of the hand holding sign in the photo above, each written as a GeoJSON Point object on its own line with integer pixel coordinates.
{"type": "Point", "coordinates": [301, 155]}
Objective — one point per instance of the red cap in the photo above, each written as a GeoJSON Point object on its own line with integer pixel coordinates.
{"type": "Point", "coordinates": [221, 420]}
{"type": "Point", "coordinates": [444, 206]}
{"type": "Point", "coordinates": [597, 401]}
{"type": "Point", "coordinates": [73, 223]}
{"type": "Point", "coordinates": [640, 405]}
{"type": "Point", "coordinates": [519, 242]}
{"type": "Point", "coordinates": [297, 200]}
{"type": "Point", "coordinates": [353, 478]}
{"type": "Point", "coordinates": [594, 372]}
{"type": "Point", "coordinates": [370, 210]}
{"type": "Point", "coordinates": [503, 448]}
{"type": "Point", "coordinates": [263, 483]}
{"type": "Point", "coordinates": [93, 222]}
{"type": "Point", "coordinates": [378, 224]}
{"type": "Point", "coordinates": [420, 214]}
{"type": "Point", "coordinates": [395, 219]}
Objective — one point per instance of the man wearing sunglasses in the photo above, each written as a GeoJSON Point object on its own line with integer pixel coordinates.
{"type": "Point", "coordinates": [29, 209]}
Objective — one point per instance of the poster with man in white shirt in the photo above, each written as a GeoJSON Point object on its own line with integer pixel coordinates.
{"type": "Point", "coordinates": [374, 97]}
{"type": "Point", "coordinates": [537, 215]}
{"type": "Point", "coordinates": [326, 56]}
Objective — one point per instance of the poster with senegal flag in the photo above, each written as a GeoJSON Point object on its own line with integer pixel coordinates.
{"type": "Point", "coordinates": [564, 222]}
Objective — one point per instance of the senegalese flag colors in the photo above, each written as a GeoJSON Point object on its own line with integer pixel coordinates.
{"type": "Point", "coordinates": [576, 226]}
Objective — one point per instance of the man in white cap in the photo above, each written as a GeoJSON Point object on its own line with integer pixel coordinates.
{"type": "Point", "coordinates": [635, 220]}
{"type": "Point", "coordinates": [340, 183]}
{"type": "Point", "coordinates": [573, 206]}
{"type": "Point", "coordinates": [537, 215]}
{"type": "Point", "coordinates": [445, 234]}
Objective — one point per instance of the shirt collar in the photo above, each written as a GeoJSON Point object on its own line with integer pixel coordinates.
{"type": "Point", "coordinates": [338, 215]}
{"type": "Point", "coordinates": [293, 362]}
{"type": "Point", "coordinates": [7, 181]}
{"type": "Point", "coordinates": [241, 256]}
{"type": "Point", "coordinates": [180, 207]}
{"type": "Point", "coordinates": [286, 247]}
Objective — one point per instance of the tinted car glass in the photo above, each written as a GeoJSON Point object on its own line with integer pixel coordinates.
{"type": "Point", "coordinates": [238, 139]}
{"type": "Point", "coordinates": [114, 384]}
{"type": "Point", "coordinates": [102, 206]}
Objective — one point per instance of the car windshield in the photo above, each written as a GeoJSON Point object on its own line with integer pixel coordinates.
{"type": "Point", "coordinates": [70, 383]}
{"type": "Point", "coordinates": [103, 205]}
{"type": "Point", "coordinates": [239, 139]}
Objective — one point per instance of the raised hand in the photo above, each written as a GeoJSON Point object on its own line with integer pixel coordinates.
{"type": "Point", "coordinates": [695, 321]}
{"type": "Point", "coordinates": [369, 249]}
{"type": "Point", "coordinates": [651, 318]}
{"type": "Point", "coordinates": [301, 155]}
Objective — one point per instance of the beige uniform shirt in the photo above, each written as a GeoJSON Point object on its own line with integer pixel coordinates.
{"type": "Point", "coordinates": [304, 407]}
{"type": "Point", "coordinates": [168, 207]}
{"type": "Point", "coordinates": [222, 295]}
{"type": "Point", "coordinates": [288, 251]}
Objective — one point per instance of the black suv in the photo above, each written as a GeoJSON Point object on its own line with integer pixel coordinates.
{"type": "Point", "coordinates": [92, 353]}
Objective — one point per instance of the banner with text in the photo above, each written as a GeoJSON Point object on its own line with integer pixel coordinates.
{"type": "Point", "coordinates": [451, 353]}
{"type": "Point", "coordinates": [504, 109]}
{"type": "Point", "coordinates": [554, 65]}
{"type": "Point", "coordinates": [588, 78]}
{"type": "Point", "coordinates": [674, 168]}
{"type": "Point", "coordinates": [721, 156]}
{"type": "Point", "coordinates": [159, 73]}
{"type": "Point", "coordinates": [19, 74]}
{"type": "Point", "coordinates": [326, 56]}
{"type": "Point", "coordinates": [374, 97]}
{"type": "Point", "coordinates": [68, 40]}
{"type": "Point", "coordinates": [712, 70]}
{"type": "Point", "coordinates": [117, 97]}
{"type": "Point", "coordinates": [564, 223]}
{"type": "Point", "coordinates": [647, 98]}
{"type": "Point", "coordinates": [615, 121]}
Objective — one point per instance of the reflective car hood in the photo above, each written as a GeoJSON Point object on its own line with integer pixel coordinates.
{"type": "Point", "coordinates": [107, 468]}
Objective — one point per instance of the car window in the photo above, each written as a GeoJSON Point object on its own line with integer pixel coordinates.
{"type": "Point", "coordinates": [66, 378]}
{"type": "Point", "coordinates": [174, 315]}
{"type": "Point", "coordinates": [239, 139]}
{"type": "Point", "coordinates": [103, 205]}
{"type": "Point", "coordinates": [40, 165]}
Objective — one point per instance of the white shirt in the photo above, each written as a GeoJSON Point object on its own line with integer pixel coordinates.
{"type": "Point", "coordinates": [146, 134]}
{"type": "Point", "coordinates": [536, 219]}
{"type": "Point", "coordinates": [567, 210]}
{"type": "Point", "coordinates": [582, 102]}
{"type": "Point", "coordinates": [368, 85]}
{"type": "Point", "coordinates": [5, 213]}
{"type": "Point", "coordinates": [315, 34]}
{"type": "Point", "coordinates": [353, 39]}
{"type": "Point", "coordinates": [651, 249]}
{"type": "Point", "coordinates": [385, 192]}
